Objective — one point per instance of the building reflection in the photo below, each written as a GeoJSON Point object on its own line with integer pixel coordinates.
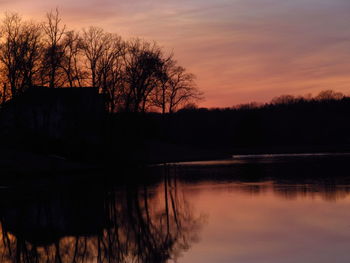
{"type": "Point", "coordinates": [130, 223]}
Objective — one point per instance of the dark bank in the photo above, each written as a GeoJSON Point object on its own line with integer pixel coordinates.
{"type": "Point", "coordinates": [69, 128]}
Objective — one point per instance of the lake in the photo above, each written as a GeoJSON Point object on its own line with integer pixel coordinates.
{"type": "Point", "coordinates": [258, 208]}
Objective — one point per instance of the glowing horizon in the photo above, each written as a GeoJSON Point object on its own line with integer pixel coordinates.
{"type": "Point", "coordinates": [240, 50]}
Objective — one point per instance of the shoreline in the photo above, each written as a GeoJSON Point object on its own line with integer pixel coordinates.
{"type": "Point", "coordinates": [15, 163]}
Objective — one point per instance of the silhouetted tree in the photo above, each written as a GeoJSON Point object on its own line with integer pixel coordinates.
{"type": "Point", "coordinates": [329, 95]}
{"type": "Point", "coordinates": [176, 88]}
{"type": "Point", "coordinates": [182, 88]}
{"type": "Point", "coordinates": [110, 69]}
{"type": "Point", "coordinates": [54, 50]}
{"type": "Point", "coordinates": [94, 43]}
{"type": "Point", "coordinates": [283, 99]}
{"type": "Point", "coordinates": [71, 61]}
{"type": "Point", "coordinates": [143, 69]}
{"type": "Point", "coordinates": [20, 52]}
{"type": "Point", "coordinates": [133, 75]}
{"type": "Point", "coordinates": [160, 96]}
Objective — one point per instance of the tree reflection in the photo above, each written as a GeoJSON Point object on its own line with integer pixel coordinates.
{"type": "Point", "coordinates": [127, 224]}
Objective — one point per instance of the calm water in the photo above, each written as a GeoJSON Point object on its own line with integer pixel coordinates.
{"type": "Point", "coordinates": [246, 209]}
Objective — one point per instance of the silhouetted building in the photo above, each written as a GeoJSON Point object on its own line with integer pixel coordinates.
{"type": "Point", "coordinates": [58, 114]}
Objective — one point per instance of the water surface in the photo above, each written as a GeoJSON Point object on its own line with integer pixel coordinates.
{"type": "Point", "coordinates": [247, 209]}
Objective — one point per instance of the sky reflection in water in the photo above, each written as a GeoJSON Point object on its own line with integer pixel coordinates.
{"type": "Point", "coordinates": [270, 222]}
{"type": "Point", "coordinates": [291, 210]}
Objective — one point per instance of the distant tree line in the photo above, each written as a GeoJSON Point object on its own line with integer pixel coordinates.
{"type": "Point", "coordinates": [287, 123]}
{"type": "Point", "coordinates": [323, 95]}
{"type": "Point", "coordinates": [132, 75]}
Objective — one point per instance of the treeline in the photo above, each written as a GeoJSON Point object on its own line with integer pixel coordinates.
{"type": "Point", "coordinates": [290, 99]}
{"type": "Point", "coordinates": [133, 75]}
{"type": "Point", "coordinates": [286, 124]}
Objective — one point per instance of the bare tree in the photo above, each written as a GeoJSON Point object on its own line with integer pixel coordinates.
{"type": "Point", "coordinates": [132, 76]}
{"type": "Point", "coordinates": [54, 50]}
{"type": "Point", "coordinates": [94, 43]}
{"type": "Point", "coordinates": [143, 69]}
{"type": "Point", "coordinates": [71, 61]}
{"type": "Point", "coordinates": [177, 87]}
{"type": "Point", "coordinates": [182, 88]}
{"type": "Point", "coordinates": [109, 70]}
{"type": "Point", "coordinates": [20, 52]}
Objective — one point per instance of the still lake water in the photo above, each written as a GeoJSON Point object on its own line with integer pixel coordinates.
{"type": "Point", "coordinates": [275, 208]}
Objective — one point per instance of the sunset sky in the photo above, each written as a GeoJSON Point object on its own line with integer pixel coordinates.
{"type": "Point", "coordinates": [240, 50]}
